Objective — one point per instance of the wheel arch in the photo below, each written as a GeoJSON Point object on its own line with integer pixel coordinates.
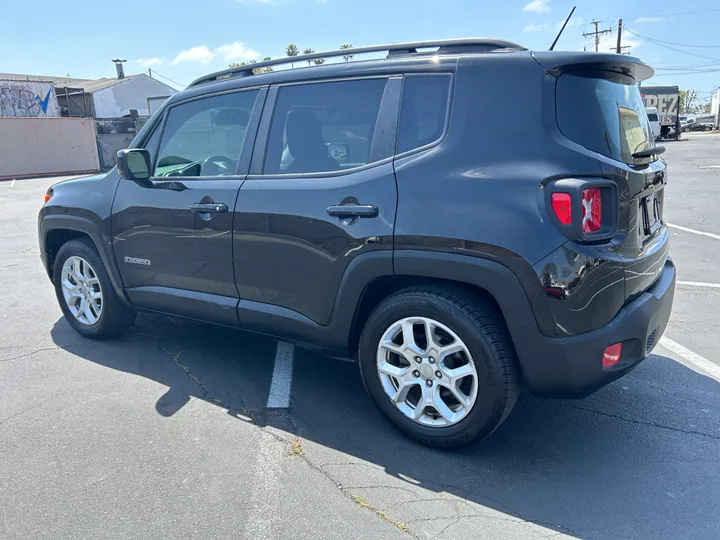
{"type": "Point", "coordinates": [56, 230]}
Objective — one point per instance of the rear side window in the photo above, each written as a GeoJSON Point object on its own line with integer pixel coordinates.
{"type": "Point", "coordinates": [204, 137]}
{"type": "Point", "coordinates": [607, 116]}
{"type": "Point", "coordinates": [324, 127]}
{"type": "Point", "coordinates": [424, 110]}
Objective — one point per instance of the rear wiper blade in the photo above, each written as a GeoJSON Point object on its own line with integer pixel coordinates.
{"type": "Point", "coordinates": [655, 150]}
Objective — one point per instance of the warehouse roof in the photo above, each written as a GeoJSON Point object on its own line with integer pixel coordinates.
{"type": "Point", "coordinates": [89, 85]}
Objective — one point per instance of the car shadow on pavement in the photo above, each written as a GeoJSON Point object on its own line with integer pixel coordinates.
{"type": "Point", "coordinates": [638, 459]}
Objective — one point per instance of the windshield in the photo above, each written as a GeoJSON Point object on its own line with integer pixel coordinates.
{"type": "Point", "coordinates": [653, 117]}
{"type": "Point", "coordinates": [606, 116]}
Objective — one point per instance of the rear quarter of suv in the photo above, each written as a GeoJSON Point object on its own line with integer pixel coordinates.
{"type": "Point", "coordinates": [363, 208]}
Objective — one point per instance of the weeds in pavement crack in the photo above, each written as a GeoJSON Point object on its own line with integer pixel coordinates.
{"type": "Point", "coordinates": [297, 449]}
{"type": "Point", "coordinates": [364, 504]}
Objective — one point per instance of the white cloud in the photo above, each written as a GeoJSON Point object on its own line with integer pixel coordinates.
{"type": "Point", "coordinates": [608, 43]}
{"type": "Point", "coordinates": [642, 20]}
{"type": "Point", "coordinates": [538, 6]}
{"type": "Point", "coordinates": [232, 52]}
{"type": "Point", "coordinates": [200, 54]}
{"type": "Point", "coordinates": [147, 62]}
{"type": "Point", "coordinates": [532, 28]}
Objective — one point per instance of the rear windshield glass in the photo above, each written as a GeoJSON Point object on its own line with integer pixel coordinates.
{"type": "Point", "coordinates": [603, 115]}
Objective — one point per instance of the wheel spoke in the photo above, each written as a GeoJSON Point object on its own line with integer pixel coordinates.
{"type": "Point", "coordinates": [88, 312]}
{"type": "Point", "coordinates": [449, 350]}
{"type": "Point", "coordinates": [408, 336]}
{"type": "Point", "coordinates": [458, 395]}
{"type": "Point", "coordinates": [393, 371]}
{"type": "Point", "coordinates": [402, 392]}
{"type": "Point", "coordinates": [442, 407]}
{"type": "Point", "coordinates": [429, 334]}
{"type": "Point", "coordinates": [461, 372]}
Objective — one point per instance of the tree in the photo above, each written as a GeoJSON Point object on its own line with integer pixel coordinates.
{"type": "Point", "coordinates": [687, 102]}
{"type": "Point", "coordinates": [292, 50]}
{"type": "Point", "coordinates": [319, 61]}
{"type": "Point", "coordinates": [707, 108]}
{"type": "Point", "coordinates": [309, 51]}
{"type": "Point", "coordinates": [258, 70]}
{"type": "Point", "coordinates": [344, 46]}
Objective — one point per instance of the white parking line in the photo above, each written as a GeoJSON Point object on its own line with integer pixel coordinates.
{"type": "Point", "coordinates": [694, 359]}
{"type": "Point", "coordinates": [279, 397]}
{"type": "Point", "coordinates": [699, 284]}
{"type": "Point", "coordinates": [11, 184]}
{"type": "Point", "coordinates": [711, 235]}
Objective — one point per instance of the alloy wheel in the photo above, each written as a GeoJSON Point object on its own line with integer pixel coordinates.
{"type": "Point", "coordinates": [81, 290]}
{"type": "Point", "coordinates": [427, 371]}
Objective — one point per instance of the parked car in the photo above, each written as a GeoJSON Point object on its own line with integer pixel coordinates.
{"type": "Point", "coordinates": [700, 126]}
{"type": "Point", "coordinates": [362, 208]}
{"type": "Point", "coordinates": [652, 114]}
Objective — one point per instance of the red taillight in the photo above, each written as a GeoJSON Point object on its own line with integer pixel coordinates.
{"type": "Point", "coordinates": [591, 210]}
{"type": "Point", "coordinates": [562, 206]}
{"type": "Point", "coordinates": [612, 355]}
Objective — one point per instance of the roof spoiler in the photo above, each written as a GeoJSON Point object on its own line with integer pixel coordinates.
{"type": "Point", "coordinates": [557, 63]}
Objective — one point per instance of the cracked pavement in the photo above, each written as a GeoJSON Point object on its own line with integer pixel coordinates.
{"type": "Point", "coordinates": [163, 431]}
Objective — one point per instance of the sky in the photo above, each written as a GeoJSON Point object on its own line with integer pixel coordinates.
{"type": "Point", "coordinates": [181, 40]}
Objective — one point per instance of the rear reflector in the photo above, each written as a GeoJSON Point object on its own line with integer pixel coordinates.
{"type": "Point", "coordinates": [591, 210]}
{"type": "Point", "coordinates": [612, 355]}
{"type": "Point", "coordinates": [562, 206]}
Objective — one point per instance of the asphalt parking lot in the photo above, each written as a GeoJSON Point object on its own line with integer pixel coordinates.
{"type": "Point", "coordinates": [165, 432]}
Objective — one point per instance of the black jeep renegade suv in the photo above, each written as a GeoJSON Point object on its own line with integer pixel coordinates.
{"type": "Point", "coordinates": [387, 210]}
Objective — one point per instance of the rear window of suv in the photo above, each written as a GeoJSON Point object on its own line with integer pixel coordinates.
{"type": "Point", "coordinates": [606, 116]}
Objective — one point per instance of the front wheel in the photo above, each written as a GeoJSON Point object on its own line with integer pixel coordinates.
{"type": "Point", "coordinates": [439, 365]}
{"type": "Point", "coordinates": [85, 293]}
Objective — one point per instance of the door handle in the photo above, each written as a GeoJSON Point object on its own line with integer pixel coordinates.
{"type": "Point", "coordinates": [354, 210]}
{"type": "Point", "coordinates": [209, 208]}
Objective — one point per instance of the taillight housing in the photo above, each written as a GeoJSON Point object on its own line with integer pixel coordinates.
{"type": "Point", "coordinates": [584, 210]}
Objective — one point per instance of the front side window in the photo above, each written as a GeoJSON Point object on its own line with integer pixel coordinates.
{"type": "Point", "coordinates": [204, 137]}
{"type": "Point", "coordinates": [424, 110]}
{"type": "Point", "coordinates": [323, 127]}
{"type": "Point", "coordinates": [607, 116]}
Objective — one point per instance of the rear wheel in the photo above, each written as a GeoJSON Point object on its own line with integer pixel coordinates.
{"type": "Point", "coordinates": [85, 293]}
{"type": "Point", "coordinates": [439, 366]}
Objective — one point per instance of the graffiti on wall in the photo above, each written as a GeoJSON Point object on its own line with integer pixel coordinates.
{"type": "Point", "coordinates": [33, 99]}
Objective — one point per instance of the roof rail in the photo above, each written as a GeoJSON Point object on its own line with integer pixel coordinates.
{"type": "Point", "coordinates": [448, 46]}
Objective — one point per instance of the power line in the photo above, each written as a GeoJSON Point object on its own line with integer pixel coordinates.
{"type": "Point", "coordinates": [665, 13]}
{"type": "Point", "coordinates": [168, 79]}
{"type": "Point", "coordinates": [684, 45]}
{"type": "Point", "coordinates": [651, 40]}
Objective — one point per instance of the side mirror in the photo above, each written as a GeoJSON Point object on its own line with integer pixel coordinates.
{"type": "Point", "coordinates": [134, 164]}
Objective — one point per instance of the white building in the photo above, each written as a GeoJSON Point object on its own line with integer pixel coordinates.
{"type": "Point", "coordinates": [100, 98]}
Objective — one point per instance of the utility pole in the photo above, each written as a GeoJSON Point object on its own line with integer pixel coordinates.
{"type": "Point", "coordinates": [597, 33]}
{"type": "Point", "coordinates": [150, 72]}
{"type": "Point", "coordinates": [619, 48]}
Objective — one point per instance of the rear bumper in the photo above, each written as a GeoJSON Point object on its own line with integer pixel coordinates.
{"type": "Point", "coordinates": [572, 366]}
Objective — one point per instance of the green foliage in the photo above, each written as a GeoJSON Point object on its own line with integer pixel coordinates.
{"type": "Point", "coordinates": [687, 102]}
{"type": "Point", "coordinates": [344, 46]}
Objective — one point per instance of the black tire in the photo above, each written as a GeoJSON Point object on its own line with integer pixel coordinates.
{"type": "Point", "coordinates": [482, 330]}
{"type": "Point", "coordinates": [114, 316]}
